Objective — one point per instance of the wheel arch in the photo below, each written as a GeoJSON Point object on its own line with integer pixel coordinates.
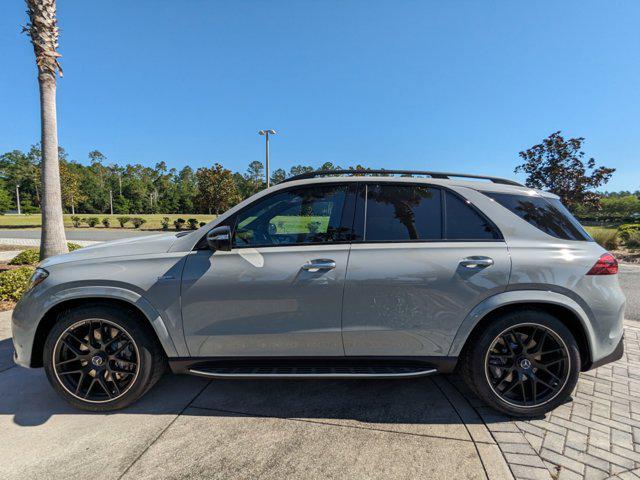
{"type": "Point", "coordinates": [124, 299]}
{"type": "Point", "coordinates": [563, 308]}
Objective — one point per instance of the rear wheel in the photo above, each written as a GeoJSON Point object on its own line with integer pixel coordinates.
{"type": "Point", "coordinates": [524, 363]}
{"type": "Point", "coordinates": [101, 358]}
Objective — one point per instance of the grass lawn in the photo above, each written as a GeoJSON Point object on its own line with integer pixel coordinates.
{"type": "Point", "coordinates": [153, 221]}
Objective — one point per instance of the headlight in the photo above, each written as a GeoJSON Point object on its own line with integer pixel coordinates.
{"type": "Point", "coordinates": [38, 277]}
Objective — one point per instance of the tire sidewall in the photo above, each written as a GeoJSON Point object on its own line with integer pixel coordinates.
{"type": "Point", "coordinates": [138, 334]}
{"type": "Point", "coordinates": [486, 339]}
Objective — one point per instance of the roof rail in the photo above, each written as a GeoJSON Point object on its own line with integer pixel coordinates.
{"type": "Point", "coordinates": [409, 173]}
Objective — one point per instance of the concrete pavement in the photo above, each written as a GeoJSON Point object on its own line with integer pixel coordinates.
{"type": "Point", "coordinates": [188, 427]}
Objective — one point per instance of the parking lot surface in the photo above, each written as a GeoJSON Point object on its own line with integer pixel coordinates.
{"type": "Point", "coordinates": [189, 427]}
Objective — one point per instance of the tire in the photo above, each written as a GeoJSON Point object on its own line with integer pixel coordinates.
{"type": "Point", "coordinates": [524, 363]}
{"type": "Point", "coordinates": [106, 347]}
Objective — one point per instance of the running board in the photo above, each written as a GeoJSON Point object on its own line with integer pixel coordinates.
{"type": "Point", "coordinates": [344, 371]}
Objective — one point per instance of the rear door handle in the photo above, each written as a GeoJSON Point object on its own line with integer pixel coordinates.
{"type": "Point", "coordinates": [476, 262]}
{"type": "Point", "coordinates": [319, 264]}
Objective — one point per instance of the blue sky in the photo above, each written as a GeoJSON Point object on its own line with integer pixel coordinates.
{"type": "Point", "coordinates": [457, 85]}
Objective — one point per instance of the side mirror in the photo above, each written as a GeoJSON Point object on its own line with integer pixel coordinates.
{"type": "Point", "coordinates": [219, 238]}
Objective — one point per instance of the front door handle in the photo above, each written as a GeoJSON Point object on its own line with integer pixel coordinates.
{"type": "Point", "coordinates": [319, 264]}
{"type": "Point", "coordinates": [476, 262]}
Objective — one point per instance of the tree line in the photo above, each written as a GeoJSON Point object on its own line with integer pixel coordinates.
{"type": "Point", "coordinates": [556, 164]}
{"type": "Point", "coordinates": [99, 185]}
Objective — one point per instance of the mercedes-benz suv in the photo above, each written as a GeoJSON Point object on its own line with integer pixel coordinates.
{"type": "Point", "coordinates": [337, 274]}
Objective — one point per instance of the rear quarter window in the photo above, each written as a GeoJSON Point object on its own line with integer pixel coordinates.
{"type": "Point", "coordinates": [546, 214]}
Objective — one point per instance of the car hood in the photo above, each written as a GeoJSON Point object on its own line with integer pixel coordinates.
{"type": "Point", "coordinates": [148, 244]}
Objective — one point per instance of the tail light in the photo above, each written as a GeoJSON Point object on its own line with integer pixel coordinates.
{"type": "Point", "coordinates": [606, 265]}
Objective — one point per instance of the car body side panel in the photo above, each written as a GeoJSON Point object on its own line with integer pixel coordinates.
{"type": "Point", "coordinates": [260, 302]}
{"type": "Point", "coordinates": [561, 267]}
{"type": "Point", "coordinates": [410, 298]}
{"type": "Point", "coordinates": [557, 268]}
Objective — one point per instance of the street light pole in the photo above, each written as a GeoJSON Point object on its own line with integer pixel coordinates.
{"type": "Point", "coordinates": [266, 134]}
{"type": "Point", "coordinates": [18, 197]}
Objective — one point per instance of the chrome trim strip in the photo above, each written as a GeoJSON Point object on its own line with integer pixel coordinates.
{"type": "Point", "coordinates": [420, 373]}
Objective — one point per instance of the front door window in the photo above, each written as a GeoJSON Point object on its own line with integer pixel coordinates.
{"type": "Point", "coordinates": [298, 216]}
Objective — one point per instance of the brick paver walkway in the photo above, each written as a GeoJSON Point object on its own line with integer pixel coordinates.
{"type": "Point", "coordinates": [595, 436]}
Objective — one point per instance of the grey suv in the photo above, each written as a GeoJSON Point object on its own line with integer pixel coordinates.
{"type": "Point", "coordinates": [337, 274]}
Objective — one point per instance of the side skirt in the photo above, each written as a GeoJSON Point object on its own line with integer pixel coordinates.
{"type": "Point", "coordinates": [305, 367]}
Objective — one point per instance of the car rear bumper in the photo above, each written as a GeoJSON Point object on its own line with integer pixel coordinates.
{"type": "Point", "coordinates": [617, 354]}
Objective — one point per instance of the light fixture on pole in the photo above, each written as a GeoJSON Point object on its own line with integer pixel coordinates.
{"type": "Point", "coordinates": [266, 134]}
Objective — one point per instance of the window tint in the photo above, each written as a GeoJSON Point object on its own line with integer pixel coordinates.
{"type": "Point", "coordinates": [398, 212]}
{"type": "Point", "coordinates": [464, 223]}
{"type": "Point", "coordinates": [547, 214]}
{"type": "Point", "coordinates": [297, 216]}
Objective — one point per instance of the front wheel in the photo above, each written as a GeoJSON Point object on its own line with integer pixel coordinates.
{"type": "Point", "coordinates": [101, 358]}
{"type": "Point", "coordinates": [524, 364]}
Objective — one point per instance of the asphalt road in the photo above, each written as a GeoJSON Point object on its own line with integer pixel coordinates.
{"type": "Point", "coordinates": [93, 234]}
{"type": "Point", "coordinates": [630, 282]}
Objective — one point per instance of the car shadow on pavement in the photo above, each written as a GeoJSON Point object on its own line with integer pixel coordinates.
{"type": "Point", "coordinates": [26, 395]}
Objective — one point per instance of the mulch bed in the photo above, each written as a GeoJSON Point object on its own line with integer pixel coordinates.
{"type": "Point", "coordinates": [4, 267]}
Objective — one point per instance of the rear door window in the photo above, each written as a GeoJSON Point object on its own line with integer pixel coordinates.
{"type": "Point", "coordinates": [546, 214]}
{"type": "Point", "coordinates": [396, 213]}
{"type": "Point", "coordinates": [463, 222]}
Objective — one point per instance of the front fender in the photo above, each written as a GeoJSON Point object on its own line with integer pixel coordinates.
{"type": "Point", "coordinates": [28, 315]}
{"type": "Point", "coordinates": [135, 299]}
{"type": "Point", "coordinates": [520, 297]}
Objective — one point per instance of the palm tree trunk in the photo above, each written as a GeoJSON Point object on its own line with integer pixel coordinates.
{"type": "Point", "coordinates": [52, 240]}
{"type": "Point", "coordinates": [43, 31]}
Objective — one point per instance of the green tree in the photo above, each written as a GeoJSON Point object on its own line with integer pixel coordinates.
{"type": "Point", "coordinates": [278, 176]}
{"type": "Point", "coordinates": [22, 169]}
{"type": "Point", "coordinates": [558, 165]}
{"type": "Point", "coordinates": [254, 178]}
{"type": "Point", "coordinates": [300, 169]}
{"type": "Point", "coordinates": [70, 178]}
{"type": "Point", "coordinates": [217, 191]}
{"type": "Point", "coordinates": [186, 186]}
{"type": "Point", "coordinates": [5, 198]}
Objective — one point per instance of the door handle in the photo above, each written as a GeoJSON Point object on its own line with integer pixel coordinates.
{"type": "Point", "coordinates": [319, 264]}
{"type": "Point", "coordinates": [476, 262]}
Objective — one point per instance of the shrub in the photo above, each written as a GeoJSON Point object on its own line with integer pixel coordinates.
{"type": "Point", "coordinates": [73, 246]}
{"type": "Point", "coordinates": [202, 224]}
{"type": "Point", "coordinates": [123, 221]}
{"type": "Point", "coordinates": [179, 223]}
{"type": "Point", "coordinates": [193, 223]}
{"type": "Point", "coordinates": [106, 222]}
{"type": "Point", "coordinates": [76, 221]}
{"type": "Point", "coordinates": [165, 223]}
{"type": "Point", "coordinates": [13, 283]}
{"type": "Point", "coordinates": [92, 221]}
{"type": "Point", "coordinates": [626, 230]}
{"type": "Point", "coordinates": [633, 242]}
{"type": "Point", "coordinates": [26, 257]}
{"type": "Point", "coordinates": [31, 256]}
{"type": "Point", "coordinates": [138, 222]}
{"type": "Point", "coordinates": [606, 237]}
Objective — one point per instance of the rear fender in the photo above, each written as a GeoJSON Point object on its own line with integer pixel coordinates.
{"type": "Point", "coordinates": [524, 297]}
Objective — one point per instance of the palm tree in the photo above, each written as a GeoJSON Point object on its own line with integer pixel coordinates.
{"type": "Point", "coordinates": [43, 30]}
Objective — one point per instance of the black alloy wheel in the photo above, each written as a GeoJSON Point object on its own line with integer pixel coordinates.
{"type": "Point", "coordinates": [96, 360]}
{"type": "Point", "coordinates": [527, 365]}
